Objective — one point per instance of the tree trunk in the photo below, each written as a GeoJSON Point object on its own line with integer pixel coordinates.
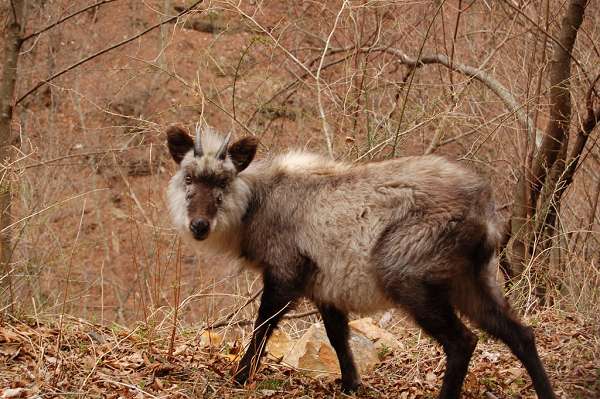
{"type": "Point", "coordinates": [519, 226]}
{"type": "Point", "coordinates": [554, 141]}
{"type": "Point", "coordinates": [12, 47]}
{"type": "Point", "coordinates": [560, 97]}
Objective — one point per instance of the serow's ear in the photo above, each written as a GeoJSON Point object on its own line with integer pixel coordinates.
{"type": "Point", "coordinates": [242, 152]}
{"type": "Point", "coordinates": [179, 142]}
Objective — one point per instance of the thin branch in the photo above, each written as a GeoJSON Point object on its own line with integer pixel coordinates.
{"type": "Point", "coordinates": [456, 25]}
{"type": "Point", "coordinates": [227, 318]}
{"type": "Point", "coordinates": [492, 53]}
{"type": "Point", "coordinates": [58, 22]}
{"type": "Point", "coordinates": [82, 154]}
{"type": "Point", "coordinates": [489, 395]}
{"type": "Point", "coordinates": [411, 77]}
{"type": "Point", "coordinates": [318, 81]}
{"type": "Point", "coordinates": [437, 135]}
{"type": "Point", "coordinates": [275, 40]}
{"type": "Point", "coordinates": [107, 49]}
{"type": "Point", "coordinates": [14, 11]}
{"type": "Point", "coordinates": [309, 63]}
{"type": "Point", "coordinates": [284, 317]}
{"type": "Point", "coordinates": [66, 292]}
{"type": "Point", "coordinates": [300, 315]}
{"type": "Point", "coordinates": [58, 203]}
{"type": "Point", "coordinates": [470, 132]}
{"type": "Point", "coordinates": [491, 83]}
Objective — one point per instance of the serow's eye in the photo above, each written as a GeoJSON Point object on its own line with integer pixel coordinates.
{"type": "Point", "coordinates": [223, 183]}
{"type": "Point", "coordinates": [188, 179]}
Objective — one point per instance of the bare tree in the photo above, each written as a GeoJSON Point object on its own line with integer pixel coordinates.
{"type": "Point", "coordinates": [541, 183]}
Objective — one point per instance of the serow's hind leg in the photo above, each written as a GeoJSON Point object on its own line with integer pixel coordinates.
{"type": "Point", "coordinates": [494, 315]}
{"type": "Point", "coordinates": [431, 308]}
{"type": "Point", "coordinates": [338, 332]}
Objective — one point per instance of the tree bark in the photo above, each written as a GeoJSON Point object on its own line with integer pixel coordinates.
{"type": "Point", "coordinates": [559, 96]}
{"type": "Point", "coordinates": [565, 179]}
{"type": "Point", "coordinates": [12, 47]}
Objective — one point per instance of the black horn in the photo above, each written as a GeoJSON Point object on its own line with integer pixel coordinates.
{"type": "Point", "coordinates": [223, 149]}
{"type": "Point", "coordinates": [198, 152]}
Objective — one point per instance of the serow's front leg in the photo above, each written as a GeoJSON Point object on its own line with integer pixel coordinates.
{"type": "Point", "coordinates": [338, 332]}
{"type": "Point", "coordinates": [277, 299]}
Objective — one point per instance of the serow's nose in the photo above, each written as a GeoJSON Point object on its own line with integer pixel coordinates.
{"type": "Point", "coordinates": [199, 228]}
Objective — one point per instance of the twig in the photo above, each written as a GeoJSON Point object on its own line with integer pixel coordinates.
{"type": "Point", "coordinates": [39, 32]}
{"type": "Point", "coordinates": [225, 321]}
{"type": "Point", "coordinates": [285, 316]}
{"type": "Point", "coordinates": [470, 132]}
{"type": "Point", "coordinates": [97, 209]}
{"type": "Point", "coordinates": [489, 395]}
{"type": "Point", "coordinates": [318, 82]}
{"type": "Point", "coordinates": [84, 394]}
{"type": "Point", "coordinates": [176, 293]}
{"type": "Point", "coordinates": [130, 386]}
{"type": "Point", "coordinates": [134, 197]}
{"type": "Point", "coordinates": [275, 40]}
{"type": "Point", "coordinates": [48, 208]}
{"type": "Point", "coordinates": [491, 83]}
{"type": "Point", "coordinates": [456, 25]}
{"type": "Point", "coordinates": [437, 136]}
{"type": "Point", "coordinates": [300, 315]}
{"type": "Point", "coordinates": [304, 75]}
{"type": "Point", "coordinates": [66, 292]}
{"type": "Point", "coordinates": [81, 154]}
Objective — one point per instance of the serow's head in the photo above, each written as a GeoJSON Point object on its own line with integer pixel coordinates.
{"type": "Point", "coordinates": [206, 191]}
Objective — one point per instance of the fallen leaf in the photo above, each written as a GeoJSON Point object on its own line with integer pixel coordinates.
{"type": "Point", "coordinates": [157, 385]}
{"type": "Point", "coordinates": [10, 351]}
{"type": "Point", "coordinates": [431, 377]}
{"type": "Point", "coordinates": [180, 349]}
{"type": "Point", "coordinates": [13, 393]}
{"type": "Point", "coordinates": [492, 357]}
{"type": "Point", "coordinates": [8, 336]}
{"type": "Point", "coordinates": [147, 361]}
{"type": "Point", "coordinates": [209, 338]}
{"type": "Point", "coordinates": [515, 372]}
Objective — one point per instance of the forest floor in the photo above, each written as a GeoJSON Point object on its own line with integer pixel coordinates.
{"type": "Point", "coordinates": [44, 357]}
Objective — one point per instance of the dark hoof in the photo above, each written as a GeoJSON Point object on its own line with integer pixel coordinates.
{"type": "Point", "coordinates": [239, 376]}
{"type": "Point", "coordinates": [349, 387]}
